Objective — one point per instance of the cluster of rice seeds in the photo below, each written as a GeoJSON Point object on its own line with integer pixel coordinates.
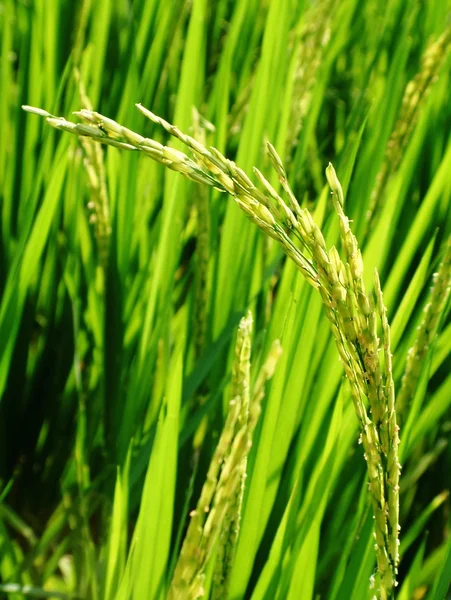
{"type": "Point", "coordinates": [99, 204]}
{"type": "Point", "coordinates": [389, 434]}
{"type": "Point", "coordinates": [265, 208]}
{"type": "Point", "coordinates": [352, 313]}
{"type": "Point", "coordinates": [367, 363]}
{"type": "Point", "coordinates": [210, 168]}
{"type": "Point", "coordinates": [314, 38]}
{"type": "Point", "coordinates": [427, 330]}
{"type": "Point", "coordinates": [231, 526]}
{"type": "Point", "coordinates": [415, 92]}
{"type": "Point", "coordinates": [217, 515]}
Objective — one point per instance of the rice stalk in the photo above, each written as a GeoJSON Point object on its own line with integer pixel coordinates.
{"type": "Point", "coordinates": [231, 526]}
{"type": "Point", "coordinates": [218, 511]}
{"type": "Point", "coordinates": [201, 282]}
{"type": "Point", "coordinates": [426, 332]}
{"type": "Point", "coordinates": [94, 165]}
{"type": "Point", "coordinates": [201, 293]}
{"type": "Point", "coordinates": [239, 110]}
{"type": "Point", "coordinates": [350, 310]}
{"type": "Point", "coordinates": [389, 430]}
{"type": "Point", "coordinates": [414, 95]}
{"type": "Point", "coordinates": [84, 9]}
{"type": "Point", "coordinates": [315, 34]}
{"type": "Point", "coordinates": [370, 378]}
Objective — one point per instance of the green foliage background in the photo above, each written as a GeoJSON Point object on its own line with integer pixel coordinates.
{"type": "Point", "coordinates": [103, 378]}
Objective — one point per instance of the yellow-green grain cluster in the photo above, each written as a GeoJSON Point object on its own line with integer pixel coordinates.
{"type": "Point", "coordinates": [216, 519]}
{"type": "Point", "coordinates": [99, 204]}
{"type": "Point", "coordinates": [416, 91]}
{"type": "Point", "coordinates": [231, 526]}
{"type": "Point", "coordinates": [427, 330]}
{"type": "Point", "coordinates": [314, 34]}
{"type": "Point", "coordinates": [367, 362]}
{"type": "Point", "coordinates": [353, 313]}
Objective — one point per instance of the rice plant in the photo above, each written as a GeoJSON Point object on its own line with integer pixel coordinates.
{"type": "Point", "coordinates": [224, 365]}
